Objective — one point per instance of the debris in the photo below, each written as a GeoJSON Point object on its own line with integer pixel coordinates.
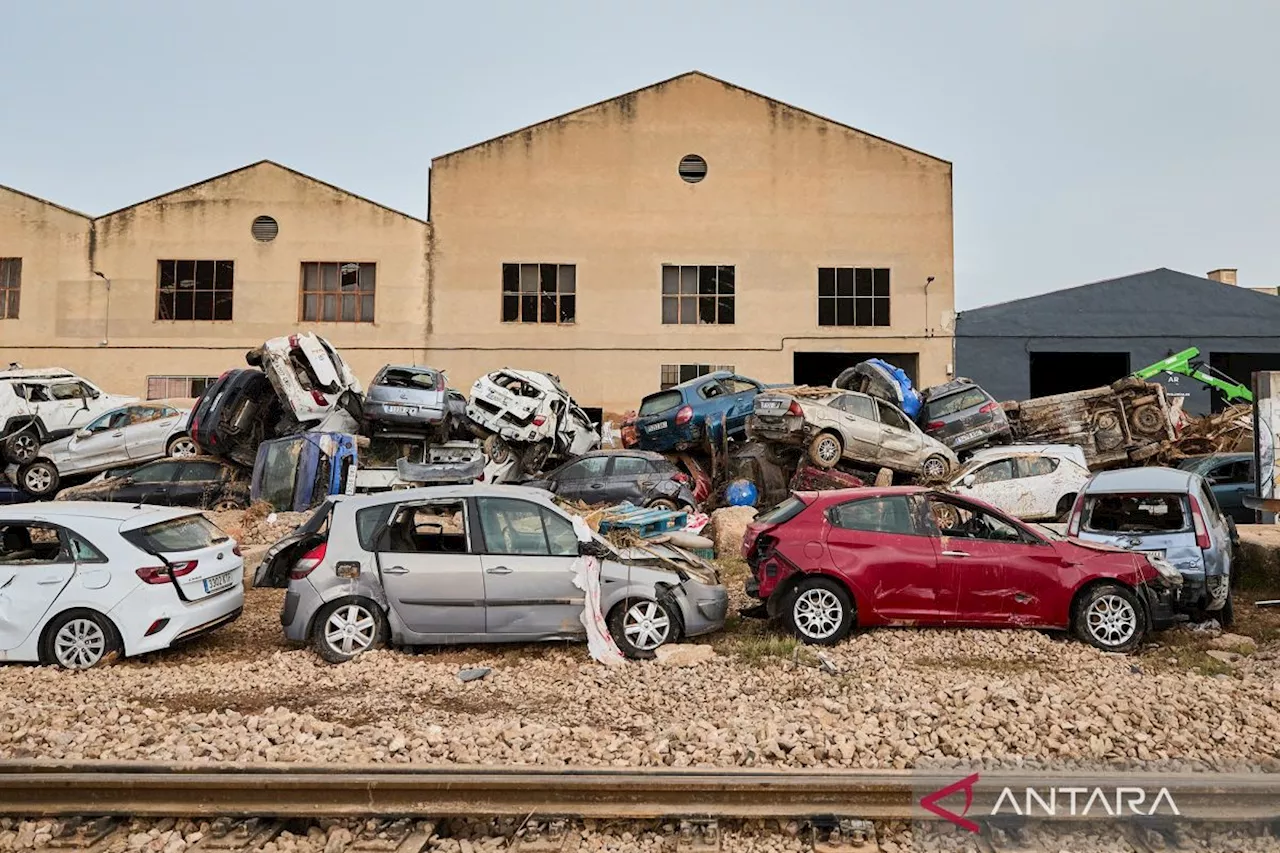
{"type": "Point", "coordinates": [741, 492]}
{"type": "Point", "coordinates": [645, 522]}
{"type": "Point", "coordinates": [884, 477]}
{"type": "Point", "coordinates": [697, 521]}
{"type": "Point", "coordinates": [1234, 642]}
{"type": "Point", "coordinates": [685, 539]}
{"type": "Point", "coordinates": [1209, 626]}
{"type": "Point", "coordinates": [728, 526]}
{"type": "Point", "coordinates": [811, 478]}
{"type": "Point", "coordinates": [600, 644]}
{"type": "Point", "coordinates": [826, 664]}
{"type": "Point", "coordinates": [474, 673]}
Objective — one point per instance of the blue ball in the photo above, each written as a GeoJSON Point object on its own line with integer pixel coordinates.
{"type": "Point", "coordinates": [741, 493]}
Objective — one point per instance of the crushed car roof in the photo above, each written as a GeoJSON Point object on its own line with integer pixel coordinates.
{"type": "Point", "coordinates": [37, 373]}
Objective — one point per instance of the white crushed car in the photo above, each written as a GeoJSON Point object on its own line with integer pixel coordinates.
{"type": "Point", "coordinates": [130, 434]}
{"type": "Point", "coordinates": [43, 404]}
{"type": "Point", "coordinates": [81, 582]}
{"type": "Point", "coordinates": [312, 381]}
{"type": "Point", "coordinates": [1033, 482]}
{"type": "Point", "coordinates": [530, 412]}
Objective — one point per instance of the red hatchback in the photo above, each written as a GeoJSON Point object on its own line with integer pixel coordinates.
{"type": "Point", "coordinates": [827, 561]}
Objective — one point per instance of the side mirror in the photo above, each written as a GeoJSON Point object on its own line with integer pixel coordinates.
{"type": "Point", "coordinates": [969, 480]}
{"type": "Point", "coordinates": [83, 433]}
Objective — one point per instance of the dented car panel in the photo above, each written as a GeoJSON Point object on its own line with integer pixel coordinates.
{"type": "Point", "coordinates": [1030, 482]}
{"type": "Point", "coordinates": [313, 382]}
{"type": "Point", "coordinates": [531, 408]}
{"type": "Point", "coordinates": [407, 396]}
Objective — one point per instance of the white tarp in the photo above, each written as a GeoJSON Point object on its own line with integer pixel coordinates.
{"type": "Point", "coordinates": [600, 644]}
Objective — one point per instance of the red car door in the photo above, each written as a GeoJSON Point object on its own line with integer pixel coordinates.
{"type": "Point", "coordinates": [975, 550]}
{"type": "Point", "coordinates": [1039, 583]}
{"type": "Point", "coordinates": [878, 546]}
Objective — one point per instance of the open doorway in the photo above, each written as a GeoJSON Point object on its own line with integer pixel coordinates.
{"type": "Point", "coordinates": [1240, 366]}
{"type": "Point", "coordinates": [821, 368]}
{"type": "Point", "coordinates": [1064, 372]}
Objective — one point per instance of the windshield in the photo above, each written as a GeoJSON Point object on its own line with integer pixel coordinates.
{"type": "Point", "coordinates": [1136, 513]}
{"type": "Point", "coordinates": [953, 403]}
{"type": "Point", "coordinates": [656, 404]}
{"type": "Point", "coordinates": [280, 473]}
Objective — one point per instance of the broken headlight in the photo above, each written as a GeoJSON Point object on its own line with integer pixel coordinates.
{"type": "Point", "coordinates": [702, 574]}
{"type": "Point", "coordinates": [1165, 568]}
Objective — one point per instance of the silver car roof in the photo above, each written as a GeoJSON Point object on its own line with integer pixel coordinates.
{"type": "Point", "coordinates": [1141, 480]}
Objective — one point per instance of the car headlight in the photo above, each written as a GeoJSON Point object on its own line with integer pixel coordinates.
{"type": "Point", "coordinates": [702, 574]}
{"type": "Point", "coordinates": [1165, 568]}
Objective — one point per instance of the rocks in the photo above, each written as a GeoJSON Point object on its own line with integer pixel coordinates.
{"type": "Point", "coordinates": [1224, 656]}
{"type": "Point", "coordinates": [684, 655]}
{"type": "Point", "coordinates": [728, 526]}
{"type": "Point", "coordinates": [1234, 642]}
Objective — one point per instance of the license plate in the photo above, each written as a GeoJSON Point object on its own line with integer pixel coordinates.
{"type": "Point", "coordinates": [967, 436]}
{"type": "Point", "coordinates": [219, 582]}
{"type": "Point", "coordinates": [1159, 554]}
{"type": "Point", "coordinates": [402, 410]}
{"type": "Point", "coordinates": [655, 427]}
{"type": "Point", "coordinates": [771, 404]}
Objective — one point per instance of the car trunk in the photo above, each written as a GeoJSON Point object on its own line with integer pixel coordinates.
{"type": "Point", "coordinates": [200, 559]}
{"type": "Point", "coordinates": [1159, 523]}
{"type": "Point", "coordinates": [273, 571]}
{"type": "Point", "coordinates": [658, 408]}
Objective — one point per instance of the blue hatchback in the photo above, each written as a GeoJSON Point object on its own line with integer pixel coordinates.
{"type": "Point", "coordinates": [681, 416]}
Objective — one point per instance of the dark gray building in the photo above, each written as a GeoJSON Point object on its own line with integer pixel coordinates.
{"type": "Point", "coordinates": [1091, 335]}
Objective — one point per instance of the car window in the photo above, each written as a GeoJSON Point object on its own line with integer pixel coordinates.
{"type": "Point", "coordinates": [186, 533]}
{"type": "Point", "coordinates": [955, 403]}
{"type": "Point", "coordinates": [1036, 466]}
{"type": "Point", "coordinates": [65, 391]}
{"type": "Point", "coordinates": [585, 469]}
{"type": "Point", "coordinates": [88, 391]}
{"type": "Point", "coordinates": [426, 380]}
{"type": "Point", "coordinates": [370, 523]}
{"type": "Point", "coordinates": [1212, 501]}
{"type": "Point", "coordinates": [161, 472]}
{"type": "Point", "coordinates": [663, 401]}
{"type": "Point", "coordinates": [783, 512]}
{"type": "Point", "coordinates": [630, 466]}
{"type": "Point", "coordinates": [198, 472]}
{"type": "Point", "coordinates": [889, 416]}
{"type": "Point", "coordinates": [28, 543]}
{"type": "Point", "coordinates": [876, 515]}
{"type": "Point", "coordinates": [144, 414]}
{"type": "Point", "coordinates": [561, 538]}
{"type": "Point", "coordinates": [106, 422]}
{"type": "Point", "coordinates": [994, 472]}
{"type": "Point", "coordinates": [514, 526]}
{"type": "Point", "coordinates": [738, 386]}
{"type": "Point", "coordinates": [856, 404]}
{"type": "Point", "coordinates": [711, 390]}
{"type": "Point", "coordinates": [961, 521]}
{"type": "Point", "coordinates": [82, 551]}
{"type": "Point", "coordinates": [1231, 473]}
{"type": "Point", "coordinates": [1136, 513]}
{"type": "Point", "coordinates": [438, 527]}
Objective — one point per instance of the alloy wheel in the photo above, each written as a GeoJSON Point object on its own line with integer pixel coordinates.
{"type": "Point", "coordinates": [37, 480]}
{"type": "Point", "coordinates": [350, 630]}
{"type": "Point", "coordinates": [23, 447]}
{"type": "Point", "coordinates": [79, 644]}
{"type": "Point", "coordinates": [183, 447]}
{"type": "Point", "coordinates": [646, 625]}
{"type": "Point", "coordinates": [829, 450]}
{"type": "Point", "coordinates": [935, 468]}
{"type": "Point", "coordinates": [817, 613]}
{"type": "Point", "coordinates": [1111, 620]}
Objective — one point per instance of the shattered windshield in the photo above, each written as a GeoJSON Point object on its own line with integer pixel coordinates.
{"type": "Point", "coordinates": [280, 473]}
{"type": "Point", "coordinates": [425, 380]}
{"type": "Point", "coordinates": [383, 451]}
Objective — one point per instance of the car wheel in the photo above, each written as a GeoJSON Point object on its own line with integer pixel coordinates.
{"type": "Point", "coordinates": [22, 447]}
{"type": "Point", "coordinates": [226, 505]}
{"type": "Point", "coordinates": [498, 451]}
{"type": "Point", "coordinates": [935, 467]}
{"type": "Point", "coordinates": [825, 450]}
{"type": "Point", "coordinates": [1111, 618]}
{"type": "Point", "coordinates": [39, 478]}
{"type": "Point", "coordinates": [640, 625]}
{"type": "Point", "coordinates": [80, 639]}
{"type": "Point", "coordinates": [535, 457]}
{"type": "Point", "coordinates": [821, 612]}
{"type": "Point", "coordinates": [183, 446]}
{"type": "Point", "coordinates": [346, 628]}
{"type": "Point", "coordinates": [1063, 511]}
{"type": "Point", "coordinates": [662, 503]}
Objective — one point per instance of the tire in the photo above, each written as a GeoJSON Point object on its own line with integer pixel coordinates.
{"type": "Point", "coordinates": [825, 450]}
{"type": "Point", "coordinates": [535, 457]}
{"type": "Point", "coordinates": [40, 478]}
{"type": "Point", "coordinates": [662, 503]}
{"type": "Point", "coordinates": [1110, 617]}
{"type": "Point", "coordinates": [182, 446]}
{"type": "Point", "coordinates": [1063, 511]}
{"type": "Point", "coordinates": [820, 612]}
{"type": "Point", "coordinates": [341, 647]}
{"type": "Point", "coordinates": [22, 446]}
{"type": "Point", "coordinates": [80, 639]}
{"type": "Point", "coordinates": [1147, 420]}
{"type": "Point", "coordinates": [935, 467]}
{"type": "Point", "coordinates": [651, 623]}
{"type": "Point", "coordinates": [497, 450]}
{"type": "Point", "coordinates": [226, 505]}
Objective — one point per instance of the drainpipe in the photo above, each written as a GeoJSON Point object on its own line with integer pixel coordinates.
{"type": "Point", "coordinates": [106, 326]}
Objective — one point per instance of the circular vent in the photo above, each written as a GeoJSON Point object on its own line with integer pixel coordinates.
{"type": "Point", "coordinates": [693, 168]}
{"type": "Point", "coordinates": [264, 229]}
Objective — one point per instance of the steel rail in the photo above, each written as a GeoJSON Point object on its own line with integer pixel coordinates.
{"type": "Point", "coordinates": [51, 788]}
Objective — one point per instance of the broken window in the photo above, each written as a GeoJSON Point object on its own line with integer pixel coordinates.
{"type": "Point", "coordinates": [697, 295]}
{"type": "Point", "coordinates": [539, 293]}
{"type": "Point", "coordinates": [435, 528]}
{"type": "Point", "coordinates": [194, 290]}
{"type": "Point", "coordinates": [10, 287]}
{"type": "Point", "coordinates": [853, 296]}
{"type": "Point", "coordinates": [31, 542]}
{"type": "Point", "coordinates": [177, 387]}
{"type": "Point", "coordinates": [676, 374]}
{"type": "Point", "coordinates": [338, 292]}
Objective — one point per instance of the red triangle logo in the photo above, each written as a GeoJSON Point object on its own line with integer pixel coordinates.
{"type": "Point", "coordinates": [930, 802]}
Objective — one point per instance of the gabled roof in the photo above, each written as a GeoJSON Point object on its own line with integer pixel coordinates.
{"type": "Point", "coordinates": [1157, 303]}
{"type": "Point", "coordinates": [257, 165]}
{"type": "Point", "coordinates": [37, 198]}
{"type": "Point", "coordinates": [683, 76]}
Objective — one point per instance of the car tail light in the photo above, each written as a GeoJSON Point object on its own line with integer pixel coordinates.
{"type": "Point", "coordinates": [1077, 513]}
{"type": "Point", "coordinates": [680, 477]}
{"type": "Point", "coordinates": [1202, 531]}
{"type": "Point", "coordinates": [539, 420]}
{"type": "Point", "coordinates": [989, 407]}
{"type": "Point", "coordinates": [319, 398]}
{"type": "Point", "coordinates": [794, 409]}
{"type": "Point", "coordinates": [308, 563]}
{"type": "Point", "coordinates": [684, 415]}
{"type": "Point", "coordinates": [935, 425]}
{"type": "Point", "coordinates": [165, 574]}
{"type": "Point", "coordinates": [293, 342]}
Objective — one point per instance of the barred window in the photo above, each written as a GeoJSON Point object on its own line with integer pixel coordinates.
{"type": "Point", "coordinates": [177, 387]}
{"type": "Point", "coordinates": [675, 374]}
{"type": "Point", "coordinates": [853, 296]}
{"type": "Point", "coordinates": [338, 292]}
{"type": "Point", "coordinates": [539, 293]}
{"type": "Point", "coordinates": [697, 295]}
{"type": "Point", "coordinates": [10, 287]}
{"type": "Point", "coordinates": [194, 290]}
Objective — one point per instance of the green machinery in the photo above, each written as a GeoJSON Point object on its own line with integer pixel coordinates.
{"type": "Point", "coordinates": [1182, 364]}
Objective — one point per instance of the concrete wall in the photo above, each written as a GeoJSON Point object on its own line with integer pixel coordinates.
{"type": "Point", "coordinates": [56, 293]}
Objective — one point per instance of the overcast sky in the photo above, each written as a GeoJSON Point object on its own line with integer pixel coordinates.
{"type": "Point", "coordinates": [1091, 138]}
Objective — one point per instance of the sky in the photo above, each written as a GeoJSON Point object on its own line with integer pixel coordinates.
{"type": "Point", "coordinates": [1090, 139]}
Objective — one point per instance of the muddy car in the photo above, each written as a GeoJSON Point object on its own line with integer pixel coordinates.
{"type": "Point", "coordinates": [528, 413]}
{"type": "Point", "coordinates": [45, 404]}
{"type": "Point", "coordinates": [200, 481]}
{"type": "Point", "coordinates": [408, 397]}
{"type": "Point", "coordinates": [879, 378]}
{"type": "Point", "coordinates": [315, 386]}
{"type": "Point", "coordinates": [235, 414]}
{"type": "Point", "coordinates": [1030, 482]}
{"type": "Point", "coordinates": [834, 425]}
{"type": "Point", "coordinates": [475, 564]}
{"type": "Point", "coordinates": [963, 416]}
{"type": "Point", "coordinates": [614, 476]}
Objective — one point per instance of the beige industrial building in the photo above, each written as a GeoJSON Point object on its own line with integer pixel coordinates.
{"type": "Point", "coordinates": [622, 246]}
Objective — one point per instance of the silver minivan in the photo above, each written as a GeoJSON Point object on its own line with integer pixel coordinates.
{"type": "Point", "coordinates": [1168, 513]}
{"type": "Point", "coordinates": [476, 564]}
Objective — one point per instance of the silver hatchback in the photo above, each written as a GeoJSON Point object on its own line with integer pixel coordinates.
{"type": "Point", "coordinates": [476, 564]}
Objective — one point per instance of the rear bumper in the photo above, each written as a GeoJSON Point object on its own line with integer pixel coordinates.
{"type": "Point", "coordinates": [672, 438]}
{"type": "Point", "coordinates": [186, 621]}
{"type": "Point", "coordinates": [422, 416]}
{"type": "Point", "coordinates": [787, 430]}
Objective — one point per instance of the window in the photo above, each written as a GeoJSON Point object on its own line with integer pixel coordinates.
{"type": "Point", "coordinates": [889, 416]}
{"type": "Point", "coordinates": [117, 419]}
{"type": "Point", "coordinates": [519, 527]}
{"type": "Point", "coordinates": [71, 390]}
{"type": "Point", "coordinates": [25, 543]}
{"type": "Point", "coordinates": [853, 296]}
{"type": "Point", "coordinates": [195, 290]}
{"type": "Point", "coordinates": [161, 472]}
{"type": "Point", "coordinates": [954, 403]}
{"type": "Point", "coordinates": [10, 287]}
{"type": "Point", "coordinates": [677, 374]}
{"type": "Point", "coordinates": [882, 515]}
{"type": "Point", "coordinates": [177, 387]}
{"type": "Point", "coordinates": [1232, 472]}
{"type": "Point", "coordinates": [539, 293]}
{"type": "Point", "coordinates": [435, 528]}
{"type": "Point", "coordinates": [1036, 466]}
{"type": "Point", "coordinates": [995, 472]}
{"type": "Point", "coordinates": [146, 414]}
{"type": "Point", "coordinates": [857, 405]}
{"type": "Point", "coordinates": [1156, 513]}
{"type": "Point", "coordinates": [585, 469]}
{"type": "Point", "coordinates": [697, 295]}
{"type": "Point", "coordinates": [630, 466]}
{"type": "Point", "coordinates": [964, 522]}
{"type": "Point", "coordinates": [338, 292]}
{"type": "Point", "coordinates": [188, 533]}
{"type": "Point", "coordinates": [199, 472]}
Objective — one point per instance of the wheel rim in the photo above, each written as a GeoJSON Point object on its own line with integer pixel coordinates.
{"type": "Point", "coordinates": [934, 467]}
{"type": "Point", "coordinates": [24, 446]}
{"type": "Point", "coordinates": [79, 644]}
{"type": "Point", "coordinates": [646, 625]}
{"type": "Point", "coordinates": [829, 449]}
{"type": "Point", "coordinates": [1111, 620]}
{"type": "Point", "coordinates": [498, 452]}
{"type": "Point", "coordinates": [183, 447]}
{"type": "Point", "coordinates": [224, 506]}
{"type": "Point", "coordinates": [350, 629]}
{"type": "Point", "coordinates": [38, 480]}
{"type": "Point", "coordinates": [818, 613]}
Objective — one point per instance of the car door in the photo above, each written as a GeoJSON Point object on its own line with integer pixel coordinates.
{"type": "Point", "coordinates": [899, 443]}
{"type": "Point", "coordinates": [528, 555]}
{"type": "Point", "coordinates": [583, 480]}
{"type": "Point", "coordinates": [34, 569]}
{"type": "Point", "coordinates": [743, 392]}
{"type": "Point", "coordinates": [859, 427]}
{"type": "Point", "coordinates": [69, 406]}
{"type": "Point", "coordinates": [99, 445]}
{"type": "Point", "coordinates": [1230, 482]}
{"type": "Point", "coordinates": [879, 546]}
{"type": "Point", "coordinates": [629, 479]}
{"type": "Point", "coordinates": [430, 570]}
{"type": "Point", "coordinates": [148, 431]}
{"type": "Point", "coordinates": [972, 544]}
{"type": "Point", "coordinates": [1041, 483]}
{"type": "Point", "coordinates": [996, 483]}
{"type": "Point", "coordinates": [196, 484]}
{"type": "Point", "coordinates": [149, 484]}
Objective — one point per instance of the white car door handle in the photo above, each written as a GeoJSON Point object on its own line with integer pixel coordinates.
{"type": "Point", "coordinates": [117, 433]}
{"type": "Point", "coordinates": [50, 581]}
{"type": "Point", "coordinates": [395, 570]}
{"type": "Point", "coordinates": [498, 570]}
{"type": "Point", "coordinates": [955, 553]}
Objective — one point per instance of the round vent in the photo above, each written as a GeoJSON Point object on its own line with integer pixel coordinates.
{"type": "Point", "coordinates": [264, 229]}
{"type": "Point", "coordinates": [693, 168]}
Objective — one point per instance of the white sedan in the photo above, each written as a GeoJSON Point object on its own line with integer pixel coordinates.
{"type": "Point", "coordinates": [1033, 482]}
{"type": "Point", "coordinates": [81, 582]}
{"type": "Point", "coordinates": [127, 435]}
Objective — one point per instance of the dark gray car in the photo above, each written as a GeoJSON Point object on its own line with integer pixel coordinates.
{"type": "Point", "coordinates": [407, 396]}
{"type": "Point", "coordinates": [1230, 477]}
{"type": "Point", "coordinates": [963, 416]}
{"type": "Point", "coordinates": [612, 476]}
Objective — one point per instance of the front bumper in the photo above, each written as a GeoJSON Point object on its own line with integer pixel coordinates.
{"type": "Point", "coordinates": [1161, 604]}
{"type": "Point", "coordinates": [702, 606]}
